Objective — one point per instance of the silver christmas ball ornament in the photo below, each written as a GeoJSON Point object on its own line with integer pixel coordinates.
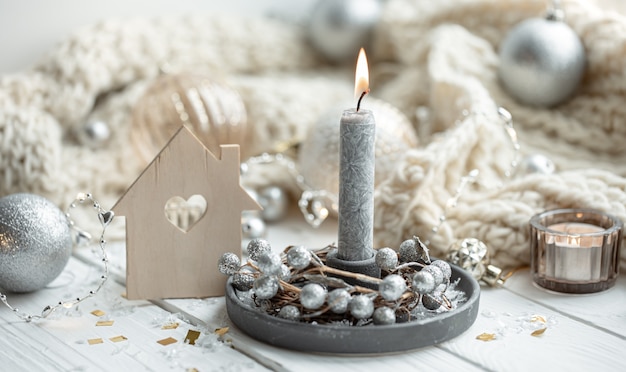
{"type": "Point", "coordinates": [361, 307]}
{"type": "Point", "coordinates": [384, 315]}
{"type": "Point", "coordinates": [256, 247]}
{"type": "Point", "coordinates": [289, 312]}
{"type": "Point", "coordinates": [228, 264]}
{"type": "Point", "coordinates": [252, 225]}
{"type": "Point", "coordinates": [536, 163]}
{"type": "Point", "coordinates": [312, 296]}
{"type": "Point", "coordinates": [274, 201]}
{"type": "Point", "coordinates": [35, 242]}
{"type": "Point", "coordinates": [337, 29]}
{"type": "Point", "coordinates": [542, 62]}
{"type": "Point", "coordinates": [470, 254]}
{"type": "Point", "coordinates": [298, 257]}
{"type": "Point", "coordinates": [266, 287]}
{"type": "Point", "coordinates": [392, 287]}
{"type": "Point", "coordinates": [338, 300]}
{"type": "Point", "coordinates": [94, 134]}
{"type": "Point", "coordinates": [386, 259]}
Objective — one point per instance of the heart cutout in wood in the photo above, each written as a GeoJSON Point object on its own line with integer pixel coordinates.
{"type": "Point", "coordinates": [185, 214]}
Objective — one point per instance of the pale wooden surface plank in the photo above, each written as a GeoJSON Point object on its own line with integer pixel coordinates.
{"type": "Point", "coordinates": [60, 343]}
{"type": "Point", "coordinates": [605, 310]}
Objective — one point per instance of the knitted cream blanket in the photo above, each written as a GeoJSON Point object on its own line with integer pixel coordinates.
{"type": "Point", "coordinates": [438, 58]}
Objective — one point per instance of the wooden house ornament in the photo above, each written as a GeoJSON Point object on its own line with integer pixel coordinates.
{"type": "Point", "coordinates": [182, 214]}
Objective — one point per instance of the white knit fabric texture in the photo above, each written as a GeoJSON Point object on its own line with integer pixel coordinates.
{"type": "Point", "coordinates": [434, 57]}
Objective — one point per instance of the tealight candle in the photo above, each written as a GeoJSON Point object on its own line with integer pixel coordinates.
{"type": "Point", "coordinates": [575, 250]}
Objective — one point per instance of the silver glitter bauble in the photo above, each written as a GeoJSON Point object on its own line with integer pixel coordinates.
{"type": "Point", "coordinates": [339, 28]}
{"type": "Point", "coordinates": [256, 247]}
{"type": "Point", "coordinates": [470, 254]}
{"type": "Point", "coordinates": [423, 282]}
{"type": "Point", "coordinates": [269, 263]}
{"type": "Point", "coordinates": [384, 315]}
{"type": "Point", "coordinates": [289, 312]}
{"type": "Point", "coordinates": [229, 263]}
{"type": "Point", "coordinates": [407, 251]}
{"type": "Point", "coordinates": [338, 300]}
{"type": "Point", "coordinates": [299, 257]}
{"type": "Point", "coordinates": [386, 259]}
{"type": "Point", "coordinates": [266, 287]}
{"type": "Point", "coordinates": [361, 307]}
{"type": "Point", "coordinates": [392, 287]}
{"type": "Point", "coordinates": [536, 163]}
{"type": "Point", "coordinates": [542, 62]}
{"type": "Point", "coordinates": [252, 225]}
{"type": "Point", "coordinates": [35, 242]}
{"type": "Point", "coordinates": [275, 203]}
{"type": "Point", "coordinates": [432, 301]}
{"type": "Point", "coordinates": [318, 157]}
{"type": "Point", "coordinates": [243, 280]}
{"type": "Point", "coordinates": [94, 134]}
{"type": "Point", "coordinates": [312, 296]}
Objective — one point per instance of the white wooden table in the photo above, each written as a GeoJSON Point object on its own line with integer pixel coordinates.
{"type": "Point", "coordinates": [583, 332]}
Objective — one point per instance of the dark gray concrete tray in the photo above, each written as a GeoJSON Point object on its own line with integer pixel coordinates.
{"type": "Point", "coordinates": [370, 339]}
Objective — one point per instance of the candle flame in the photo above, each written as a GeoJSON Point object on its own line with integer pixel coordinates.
{"type": "Point", "coordinates": [361, 77]}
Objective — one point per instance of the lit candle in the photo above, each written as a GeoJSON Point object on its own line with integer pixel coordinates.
{"type": "Point", "coordinates": [575, 250]}
{"type": "Point", "coordinates": [356, 174]}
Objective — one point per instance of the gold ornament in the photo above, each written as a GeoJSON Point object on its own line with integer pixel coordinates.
{"type": "Point", "coordinates": [318, 158]}
{"type": "Point", "coordinates": [213, 111]}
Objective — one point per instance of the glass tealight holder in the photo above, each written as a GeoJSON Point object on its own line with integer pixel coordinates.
{"type": "Point", "coordinates": [575, 250]}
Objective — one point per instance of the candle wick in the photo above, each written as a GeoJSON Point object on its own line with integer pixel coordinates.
{"type": "Point", "coordinates": [358, 104]}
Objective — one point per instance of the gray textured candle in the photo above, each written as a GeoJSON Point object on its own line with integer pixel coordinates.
{"type": "Point", "coordinates": [356, 185]}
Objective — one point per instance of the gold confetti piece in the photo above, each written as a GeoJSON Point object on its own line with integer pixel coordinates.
{"type": "Point", "coordinates": [170, 326]}
{"type": "Point", "coordinates": [538, 318]}
{"type": "Point", "coordinates": [538, 332]}
{"type": "Point", "coordinates": [94, 341]}
{"type": "Point", "coordinates": [191, 337]}
{"type": "Point", "coordinates": [119, 338]}
{"type": "Point", "coordinates": [104, 323]}
{"type": "Point", "coordinates": [221, 331]}
{"type": "Point", "coordinates": [167, 341]}
{"type": "Point", "coordinates": [486, 337]}
{"type": "Point", "coordinates": [98, 313]}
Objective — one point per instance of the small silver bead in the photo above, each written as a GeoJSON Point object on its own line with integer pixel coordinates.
{"type": "Point", "coordinates": [392, 287]}
{"type": "Point", "coordinates": [299, 257]}
{"type": "Point", "coordinates": [266, 287]}
{"type": "Point", "coordinates": [312, 296]}
{"type": "Point", "coordinates": [407, 251]}
{"type": "Point", "coordinates": [423, 282]}
{"type": "Point", "coordinates": [361, 307]}
{"type": "Point", "coordinates": [289, 312]}
{"type": "Point", "coordinates": [338, 300]}
{"type": "Point", "coordinates": [256, 247]}
{"type": "Point", "coordinates": [431, 301]}
{"type": "Point", "coordinates": [269, 263]}
{"type": "Point", "coordinates": [384, 315]}
{"type": "Point", "coordinates": [437, 274]}
{"type": "Point", "coordinates": [243, 280]}
{"type": "Point", "coordinates": [228, 264]}
{"type": "Point", "coordinates": [444, 266]}
{"type": "Point", "coordinates": [94, 134]}
{"type": "Point", "coordinates": [386, 259]}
